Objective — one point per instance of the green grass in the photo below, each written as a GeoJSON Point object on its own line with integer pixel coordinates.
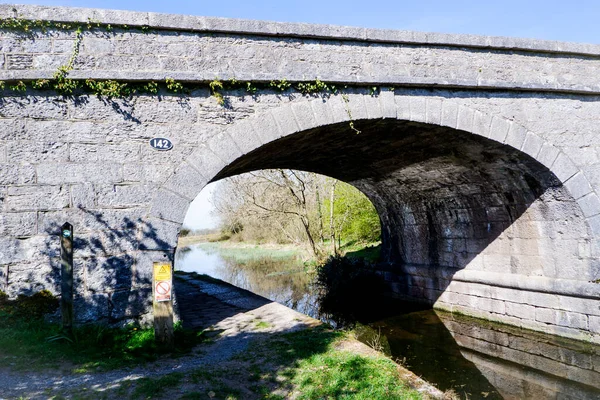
{"type": "Point", "coordinates": [28, 341]}
{"type": "Point", "coordinates": [317, 370]}
{"type": "Point", "coordinates": [247, 252]}
{"type": "Point", "coordinates": [371, 252]}
{"type": "Point", "coordinates": [262, 325]}
{"type": "Point", "coordinates": [147, 388]}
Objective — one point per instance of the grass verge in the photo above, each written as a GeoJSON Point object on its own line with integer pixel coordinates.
{"type": "Point", "coordinates": [29, 342]}
{"type": "Point", "coordinates": [309, 365]}
{"type": "Point", "coordinates": [303, 365]}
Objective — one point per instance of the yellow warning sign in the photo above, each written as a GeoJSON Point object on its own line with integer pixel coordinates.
{"type": "Point", "coordinates": [162, 271]}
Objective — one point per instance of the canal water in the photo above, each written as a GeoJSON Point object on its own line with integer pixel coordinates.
{"type": "Point", "coordinates": [474, 359]}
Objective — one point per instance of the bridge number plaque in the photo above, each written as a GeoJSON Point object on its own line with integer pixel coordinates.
{"type": "Point", "coordinates": [161, 144]}
{"type": "Point", "coordinates": [163, 281]}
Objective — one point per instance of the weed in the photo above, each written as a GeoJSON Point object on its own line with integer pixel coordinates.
{"type": "Point", "coordinates": [31, 341]}
{"type": "Point", "coordinates": [262, 325]}
{"type": "Point", "coordinates": [148, 387]}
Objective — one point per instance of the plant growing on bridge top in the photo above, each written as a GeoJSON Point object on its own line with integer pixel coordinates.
{"type": "Point", "coordinates": [281, 85]}
{"type": "Point", "coordinates": [346, 100]}
{"type": "Point", "coordinates": [312, 87]}
{"type": "Point", "coordinates": [108, 88]}
{"type": "Point", "coordinates": [150, 87]}
{"type": "Point", "coordinates": [174, 86]}
{"type": "Point", "coordinates": [215, 87]}
{"type": "Point", "coordinates": [19, 87]}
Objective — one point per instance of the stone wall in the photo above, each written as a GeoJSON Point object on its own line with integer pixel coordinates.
{"type": "Point", "coordinates": [482, 160]}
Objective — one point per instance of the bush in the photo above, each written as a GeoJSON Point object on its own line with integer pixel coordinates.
{"type": "Point", "coordinates": [35, 306]}
{"type": "Point", "coordinates": [348, 288]}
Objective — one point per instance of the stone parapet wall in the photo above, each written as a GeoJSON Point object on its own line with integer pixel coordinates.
{"type": "Point", "coordinates": [201, 49]}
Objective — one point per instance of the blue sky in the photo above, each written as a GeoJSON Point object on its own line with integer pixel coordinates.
{"type": "Point", "coordinates": [574, 21]}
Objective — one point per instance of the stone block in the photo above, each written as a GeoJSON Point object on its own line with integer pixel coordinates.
{"type": "Point", "coordinates": [158, 234]}
{"type": "Point", "coordinates": [304, 115]}
{"type": "Point", "coordinates": [19, 61]}
{"type": "Point", "coordinates": [338, 108]}
{"type": "Point", "coordinates": [544, 300]}
{"type": "Point", "coordinates": [594, 223]}
{"type": "Point", "coordinates": [418, 108]}
{"type": "Point", "coordinates": [130, 304]}
{"type": "Point", "coordinates": [516, 136]}
{"type": "Point", "coordinates": [433, 111]}
{"type": "Point", "coordinates": [286, 121]}
{"type": "Point", "coordinates": [18, 223]}
{"type": "Point", "coordinates": [91, 309]}
{"type": "Point", "coordinates": [32, 275]}
{"type": "Point", "coordinates": [532, 144]}
{"type": "Point", "coordinates": [499, 129]}
{"type": "Point", "coordinates": [207, 162]}
{"type": "Point", "coordinates": [83, 196]}
{"type": "Point", "coordinates": [403, 101]}
{"type": "Point", "coordinates": [105, 275]}
{"type": "Point", "coordinates": [33, 198]}
{"type": "Point", "coordinates": [522, 311]}
{"type": "Point", "coordinates": [589, 204]}
{"type": "Point", "coordinates": [187, 181]}
{"type": "Point", "coordinates": [123, 195]}
{"type": "Point", "coordinates": [114, 153]}
{"type": "Point", "coordinates": [450, 114]}
{"type": "Point", "coordinates": [224, 147]}
{"type": "Point", "coordinates": [563, 167]}
{"type": "Point", "coordinates": [321, 109]}
{"type": "Point", "coordinates": [578, 185]}
{"type": "Point", "coordinates": [356, 106]}
{"type": "Point", "coordinates": [244, 137]}
{"type": "Point", "coordinates": [265, 126]}
{"type": "Point", "coordinates": [562, 318]}
{"type": "Point", "coordinates": [482, 123]}
{"type": "Point", "coordinates": [11, 174]}
{"type": "Point", "coordinates": [373, 106]}
{"type": "Point", "coordinates": [53, 174]}
{"type": "Point", "coordinates": [594, 324]}
{"type": "Point", "coordinates": [37, 152]}
{"type": "Point", "coordinates": [547, 154]}
{"type": "Point", "coordinates": [387, 103]}
{"type": "Point", "coordinates": [169, 206]}
{"type": "Point", "coordinates": [465, 118]}
{"type": "Point", "coordinates": [85, 220]}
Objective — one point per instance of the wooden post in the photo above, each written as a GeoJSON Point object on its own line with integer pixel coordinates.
{"type": "Point", "coordinates": [162, 304]}
{"type": "Point", "coordinates": [66, 276]}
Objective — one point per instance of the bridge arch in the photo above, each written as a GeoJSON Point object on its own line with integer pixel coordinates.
{"type": "Point", "coordinates": [88, 162]}
{"type": "Point", "coordinates": [503, 274]}
{"type": "Point", "coordinates": [248, 135]}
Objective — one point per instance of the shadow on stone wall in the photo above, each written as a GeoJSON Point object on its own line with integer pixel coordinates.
{"type": "Point", "coordinates": [111, 285]}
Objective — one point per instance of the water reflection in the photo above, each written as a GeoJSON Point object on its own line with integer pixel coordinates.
{"type": "Point", "coordinates": [278, 276]}
{"type": "Point", "coordinates": [478, 359]}
{"type": "Point", "coordinates": [473, 358]}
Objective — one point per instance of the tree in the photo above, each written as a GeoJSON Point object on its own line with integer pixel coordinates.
{"type": "Point", "coordinates": [287, 206]}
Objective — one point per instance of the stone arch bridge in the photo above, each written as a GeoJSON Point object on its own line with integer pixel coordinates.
{"type": "Point", "coordinates": [481, 154]}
